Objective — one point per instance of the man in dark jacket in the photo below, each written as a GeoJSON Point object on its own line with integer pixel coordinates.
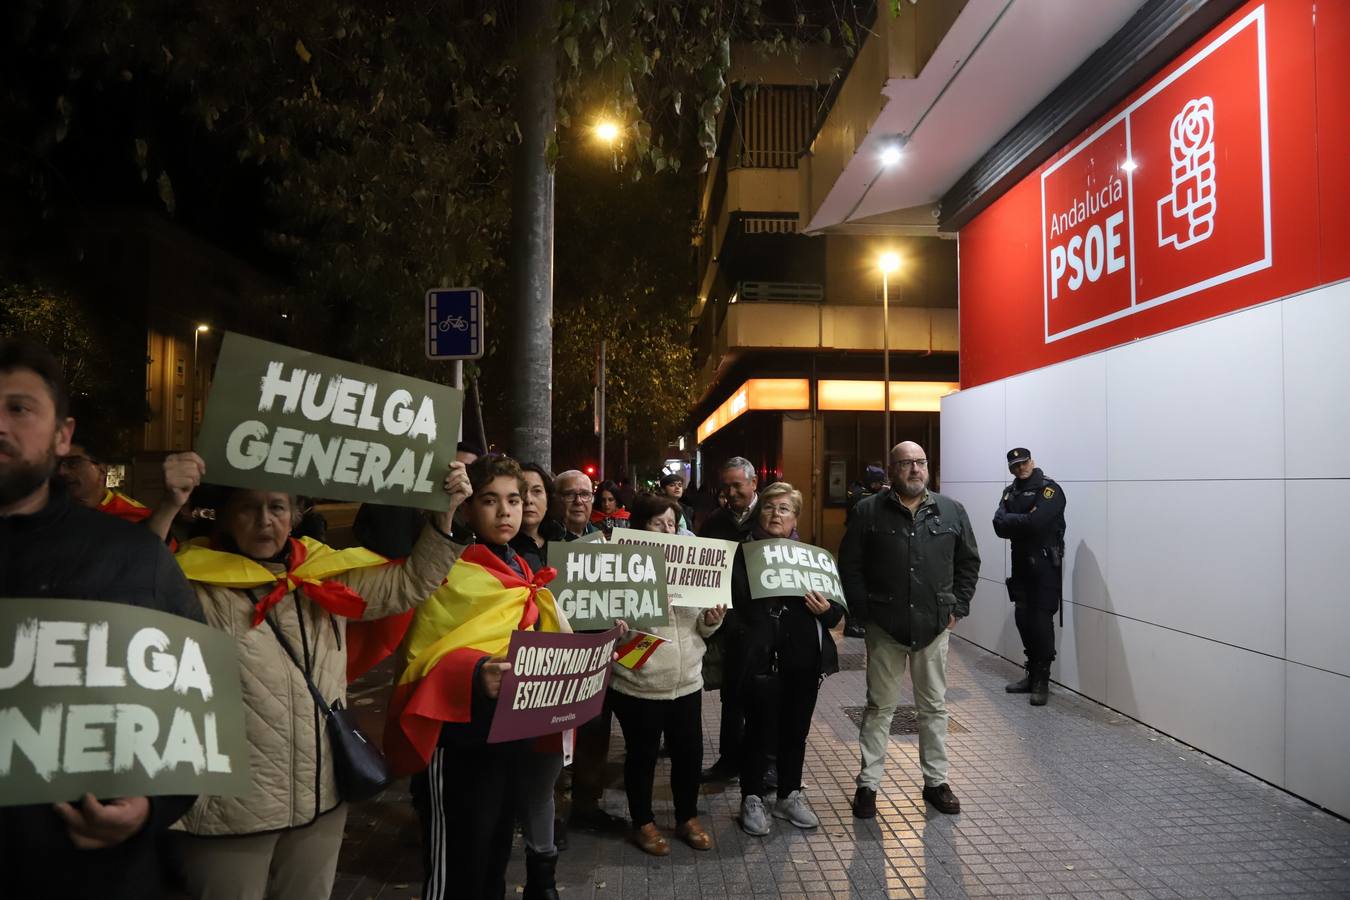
{"type": "Point", "coordinates": [53, 547]}
{"type": "Point", "coordinates": [738, 484]}
{"type": "Point", "coordinates": [909, 566]}
{"type": "Point", "coordinates": [1031, 515]}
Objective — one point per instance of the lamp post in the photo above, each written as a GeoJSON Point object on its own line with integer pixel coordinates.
{"type": "Point", "coordinates": [889, 262]}
{"type": "Point", "coordinates": [197, 333]}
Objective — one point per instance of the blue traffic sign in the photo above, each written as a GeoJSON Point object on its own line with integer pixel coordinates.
{"type": "Point", "coordinates": [454, 323]}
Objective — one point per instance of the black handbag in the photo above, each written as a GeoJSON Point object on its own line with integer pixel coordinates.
{"type": "Point", "coordinates": [358, 765]}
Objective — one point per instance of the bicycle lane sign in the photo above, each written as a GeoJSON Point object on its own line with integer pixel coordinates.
{"type": "Point", "coordinates": [454, 324]}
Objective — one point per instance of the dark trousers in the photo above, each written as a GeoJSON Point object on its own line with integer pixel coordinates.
{"type": "Point", "coordinates": [1036, 625]}
{"type": "Point", "coordinates": [589, 757]}
{"type": "Point", "coordinates": [643, 722]}
{"type": "Point", "coordinates": [731, 733]}
{"type": "Point", "coordinates": [778, 710]}
{"type": "Point", "coordinates": [466, 801]}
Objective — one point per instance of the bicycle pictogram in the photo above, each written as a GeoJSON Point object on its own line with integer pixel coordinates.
{"type": "Point", "coordinates": [459, 323]}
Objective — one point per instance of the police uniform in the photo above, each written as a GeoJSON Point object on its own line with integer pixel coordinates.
{"type": "Point", "coordinates": [1031, 515]}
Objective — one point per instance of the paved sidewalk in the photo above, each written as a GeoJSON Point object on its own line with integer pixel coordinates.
{"type": "Point", "coordinates": [1070, 800]}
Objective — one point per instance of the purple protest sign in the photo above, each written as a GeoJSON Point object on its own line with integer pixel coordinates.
{"type": "Point", "coordinates": [556, 682]}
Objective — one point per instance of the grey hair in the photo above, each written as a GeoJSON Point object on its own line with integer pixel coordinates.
{"type": "Point", "coordinates": [571, 473]}
{"type": "Point", "coordinates": [740, 462]}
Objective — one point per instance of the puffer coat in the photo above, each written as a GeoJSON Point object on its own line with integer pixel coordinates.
{"type": "Point", "coordinates": [289, 751]}
{"type": "Point", "coordinates": [675, 669]}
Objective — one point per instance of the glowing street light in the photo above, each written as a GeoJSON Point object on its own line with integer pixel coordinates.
{"type": "Point", "coordinates": [607, 131]}
{"type": "Point", "coordinates": [888, 262]}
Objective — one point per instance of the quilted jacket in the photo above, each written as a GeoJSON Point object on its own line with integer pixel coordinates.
{"type": "Point", "coordinates": [289, 751]}
{"type": "Point", "coordinates": [674, 669]}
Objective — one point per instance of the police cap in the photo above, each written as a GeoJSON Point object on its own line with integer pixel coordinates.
{"type": "Point", "coordinates": [1018, 455]}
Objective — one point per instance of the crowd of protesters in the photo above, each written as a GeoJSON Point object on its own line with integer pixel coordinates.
{"type": "Point", "coordinates": [459, 583]}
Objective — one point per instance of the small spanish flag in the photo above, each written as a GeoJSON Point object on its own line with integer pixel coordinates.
{"type": "Point", "coordinates": [635, 651]}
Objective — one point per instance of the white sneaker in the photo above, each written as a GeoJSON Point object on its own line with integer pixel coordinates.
{"type": "Point", "coordinates": [754, 818]}
{"type": "Point", "coordinates": [796, 810]}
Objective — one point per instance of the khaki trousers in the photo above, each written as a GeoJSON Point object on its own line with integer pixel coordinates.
{"type": "Point", "coordinates": [886, 661]}
{"type": "Point", "coordinates": [293, 864]}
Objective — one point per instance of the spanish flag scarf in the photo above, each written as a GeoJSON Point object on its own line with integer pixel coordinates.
{"type": "Point", "coordinates": [469, 617]}
{"type": "Point", "coordinates": [116, 503]}
{"type": "Point", "coordinates": [310, 566]}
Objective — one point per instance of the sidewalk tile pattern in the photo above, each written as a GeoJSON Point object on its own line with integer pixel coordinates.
{"type": "Point", "coordinates": [1071, 800]}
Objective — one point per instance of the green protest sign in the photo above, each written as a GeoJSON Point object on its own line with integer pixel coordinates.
{"type": "Point", "coordinates": [598, 583]}
{"type": "Point", "coordinates": [698, 570]}
{"type": "Point", "coordinates": [116, 701]}
{"type": "Point", "coordinates": [280, 419]}
{"type": "Point", "coordinates": [780, 568]}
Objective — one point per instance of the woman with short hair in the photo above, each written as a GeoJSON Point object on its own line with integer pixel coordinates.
{"type": "Point", "coordinates": [286, 603]}
{"type": "Point", "coordinates": [785, 651]}
{"type": "Point", "coordinates": [665, 696]}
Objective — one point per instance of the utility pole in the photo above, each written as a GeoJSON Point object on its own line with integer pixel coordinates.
{"type": "Point", "coordinates": [602, 412]}
{"type": "Point", "coordinates": [531, 335]}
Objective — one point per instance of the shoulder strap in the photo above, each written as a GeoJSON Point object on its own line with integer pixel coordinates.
{"type": "Point", "coordinates": [290, 651]}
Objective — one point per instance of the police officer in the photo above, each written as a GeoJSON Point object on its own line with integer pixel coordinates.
{"type": "Point", "coordinates": [1031, 515]}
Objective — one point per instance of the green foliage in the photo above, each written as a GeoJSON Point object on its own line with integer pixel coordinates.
{"type": "Point", "coordinates": [624, 274]}
{"type": "Point", "coordinates": [386, 134]}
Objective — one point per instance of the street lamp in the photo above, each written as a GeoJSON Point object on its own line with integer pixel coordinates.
{"type": "Point", "coordinates": [607, 131]}
{"type": "Point", "coordinates": [888, 263]}
{"type": "Point", "coordinates": [196, 378]}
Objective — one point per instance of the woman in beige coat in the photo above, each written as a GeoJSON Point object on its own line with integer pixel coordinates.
{"type": "Point", "coordinates": [664, 697]}
{"type": "Point", "coordinates": [281, 840]}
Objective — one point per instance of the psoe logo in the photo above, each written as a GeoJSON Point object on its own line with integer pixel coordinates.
{"type": "Point", "coordinates": [1186, 215]}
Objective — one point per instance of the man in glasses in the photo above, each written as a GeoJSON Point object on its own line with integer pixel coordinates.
{"type": "Point", "coordinates": [577, 497]}
{"type": "Point", "coordinates": [86, 480]}
{"type": "Point", "coordinates": [909, 566]}
{"type": "Point", "coordinates": [1031, 515]}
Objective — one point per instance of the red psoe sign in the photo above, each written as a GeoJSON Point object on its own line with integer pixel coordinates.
{"type": "Point", "coordinates": [1169, 197]}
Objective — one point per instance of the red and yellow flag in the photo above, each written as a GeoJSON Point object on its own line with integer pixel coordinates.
{"type": "Point", "coordinates": [634, 652]}
{"type": "Point", "coordinates": [312, 566]}
{"type": "Point", "coordinates": [470, 617]}
{"type": "Point", "coordinates": [116, 503]}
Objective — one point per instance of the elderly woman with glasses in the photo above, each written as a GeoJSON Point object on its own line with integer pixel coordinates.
{"type": "Point", "coordinates": [785, 650]}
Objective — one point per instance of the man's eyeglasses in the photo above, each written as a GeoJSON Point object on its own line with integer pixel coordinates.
{"type": "Point", "coordinates": [70, 462]}
{"type": "Point", "coordinates": [573, 496]}
{"type": "Point", "coordinates": [910, 463]}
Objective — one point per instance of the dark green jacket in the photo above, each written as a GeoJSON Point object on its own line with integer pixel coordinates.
{"type": "Point", "coordinates": [909, 573]}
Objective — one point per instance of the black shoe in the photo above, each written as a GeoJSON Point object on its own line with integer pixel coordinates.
{"type": "Point", "coordinates": [1040, 686]}
{"type": "Point", "coordinates": [865, 803]}
{"type": "Point", "coordinates": [852, 630]}
{"type": "Point", "coordinates": [943, 798]}
{"type": "Point", "coordinates": [1020, 687]}
{"type": "Point", "coordinates": [771, 778]}
{"type": "Point", "coordinates": [720, 771]}
{"type": "Point", "coordinates": [540, 871]}
{"type": "Point", "coordinates": [596, 819]}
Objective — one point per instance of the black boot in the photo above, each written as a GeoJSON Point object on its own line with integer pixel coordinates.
{"type": "Point", "coordinates": [1040, 684]}
{"type": "Point", "coordinates": [539, 875]}
{"type": "Point", "coordinates": [1023, 686]}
